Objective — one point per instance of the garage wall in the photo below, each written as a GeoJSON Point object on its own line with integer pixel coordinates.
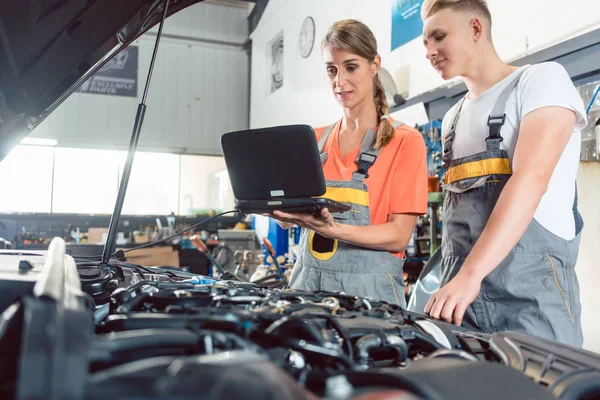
{"type": "Point", "coordinates": [199, 90]}
{"type": "Point", "coordinates": [305, 98]}
{"type": "Point", "coordinates": [588, 267]}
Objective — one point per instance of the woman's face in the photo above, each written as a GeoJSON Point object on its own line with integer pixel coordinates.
{"type": "Point", "coordinates": [350, 76]}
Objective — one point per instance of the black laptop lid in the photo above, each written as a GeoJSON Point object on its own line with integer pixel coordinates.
{"type": "Point", "coordinates": [280, 161]}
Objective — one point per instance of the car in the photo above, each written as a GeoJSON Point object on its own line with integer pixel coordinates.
{"type": "Point", "coordinates": [98, 329]}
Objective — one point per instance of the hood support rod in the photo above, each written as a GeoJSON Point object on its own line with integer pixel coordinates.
{"type": "Point", "coordinates": [135, 136]}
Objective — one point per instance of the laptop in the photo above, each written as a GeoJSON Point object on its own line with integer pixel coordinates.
{"type": "Point", "coordinates": [277, 168]}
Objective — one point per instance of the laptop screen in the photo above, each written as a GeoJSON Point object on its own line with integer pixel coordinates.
{"type": "Point", "coordinates": [274, 162]}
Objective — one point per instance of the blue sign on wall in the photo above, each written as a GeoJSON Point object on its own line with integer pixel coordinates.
{"type": "Point", "coordinates": [406, 21]}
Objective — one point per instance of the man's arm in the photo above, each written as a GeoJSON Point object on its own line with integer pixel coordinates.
{"type": "Point", "coordinates": [543, 135]}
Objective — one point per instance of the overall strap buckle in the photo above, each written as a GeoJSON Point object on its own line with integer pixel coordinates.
{"type": "Point", "coordinates": [495, 124]}
{"type": "Point", "coordinates": [323, 157]}
{"type": "Point", "coordinates": [365, 161]}
{"type": "Point", "coordinates": [494, 139]}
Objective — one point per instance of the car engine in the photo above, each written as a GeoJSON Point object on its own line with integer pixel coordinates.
{"type": "Point", "coordinates": [124, 331]}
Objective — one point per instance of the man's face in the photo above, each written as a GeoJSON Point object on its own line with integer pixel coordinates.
{"type": "Point", "coordinates": [448, 38]}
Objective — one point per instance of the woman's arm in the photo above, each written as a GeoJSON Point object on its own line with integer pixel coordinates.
{"type": "Point", "coordinates": [392, 236]}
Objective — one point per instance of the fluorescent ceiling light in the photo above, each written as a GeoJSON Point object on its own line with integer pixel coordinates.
{"type": "Point", "coordinates": [39, 142]}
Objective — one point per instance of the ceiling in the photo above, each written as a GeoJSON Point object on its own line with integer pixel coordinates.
{"type": "Point", "coordinates": [248, 4]}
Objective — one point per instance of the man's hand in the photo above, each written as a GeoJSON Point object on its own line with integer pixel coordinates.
{"type": "Point", "coordinates": [321, 222]}
{"type": "Point", "coordinates": [451, 301]}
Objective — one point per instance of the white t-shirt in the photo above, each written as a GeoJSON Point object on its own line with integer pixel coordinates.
{"type": "Point", "coordinates": [541, 85]}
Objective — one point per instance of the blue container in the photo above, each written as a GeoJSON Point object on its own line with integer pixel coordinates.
{"type": "Point", "coordinates": [277, 236]}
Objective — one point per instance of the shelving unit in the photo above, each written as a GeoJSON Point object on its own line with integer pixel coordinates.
{"type": "Point", "coordinates": [580, 56]}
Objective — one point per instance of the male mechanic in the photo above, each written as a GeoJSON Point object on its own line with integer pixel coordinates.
{"type": "Point", "coordinates": [511, 152]}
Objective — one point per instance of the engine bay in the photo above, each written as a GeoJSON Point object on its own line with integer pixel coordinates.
{"type": "Point", "coordinates": [125, 331]}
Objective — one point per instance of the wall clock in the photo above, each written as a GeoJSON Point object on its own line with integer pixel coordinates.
{"type": "Point", "coordinates": [307, 37]}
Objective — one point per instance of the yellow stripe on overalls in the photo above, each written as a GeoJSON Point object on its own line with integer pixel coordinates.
{"type": "Point", "coordinates": [347, 195]}
{"type": "Point", "coordinates": [474, 169]}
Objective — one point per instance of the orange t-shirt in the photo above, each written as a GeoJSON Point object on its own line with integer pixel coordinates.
{"type": "Point", "coordinates": [397, 181]}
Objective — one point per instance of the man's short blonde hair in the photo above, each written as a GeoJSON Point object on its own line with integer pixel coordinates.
{"type": "Point", "coordinates": [431, 7]}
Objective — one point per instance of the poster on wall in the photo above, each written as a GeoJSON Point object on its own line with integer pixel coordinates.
{"type": "Point", "coordinates": [118, 77]}
{"type": "Point", "coordinates": [276, 53]}
{"type": "Point", "coordinates": [406, 21]}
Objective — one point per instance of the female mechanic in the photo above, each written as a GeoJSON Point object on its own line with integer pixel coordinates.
{"type": "Point", "coordinates": [371, 161]}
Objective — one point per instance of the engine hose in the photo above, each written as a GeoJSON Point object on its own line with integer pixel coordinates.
{"type": "Point", "coordinates": [138, 286]}
{"type": "Point", "coordinates": [401, 346]}
{"type": "Point", "coordinates": [125, 296]}
{"type": "Point", "coordinates": [306, 348]}
{"type": "Point", "coordinates": [287, 327]}
{"type": "Point", "coordinates": [372, 341]}
{"type": "Point", "coordinates": [101, 313]}
{"type": "Point", "coordinates": [105, 347]}
{"type": "Point", "coordinates": [126, 308]}
{"type": "Point", "coordinates": [336, 325]}
{"type": "Point", "coordinates": [365, 344]}
{"type": "Point", "coordinates": [221, 338]}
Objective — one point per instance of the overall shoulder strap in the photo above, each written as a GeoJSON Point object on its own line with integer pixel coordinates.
{"type": "Point", "coordinates": [397, 124]}
{"type": "Point", "coordinates": [323, 140]}
{"type": "Point", "coordinates": [449, 139]}
{"type": "Point", "coordinates": [366, 156]}
{"type": "Point", "coordinates": [497, 117]}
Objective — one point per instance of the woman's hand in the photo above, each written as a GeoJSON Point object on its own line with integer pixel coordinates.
{"type": "Point", "coordinates": [321, 222]}
{"type": "Point", "coordinates": [282, 224]}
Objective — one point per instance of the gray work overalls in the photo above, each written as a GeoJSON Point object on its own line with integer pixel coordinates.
{"type": "Point", "coordinates": [332, 265]}
{"type": "Point", "coordinates": [535, 289]}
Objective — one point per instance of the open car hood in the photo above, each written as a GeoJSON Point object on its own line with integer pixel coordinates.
{"type": "Point", "coordinates": [48, 48]}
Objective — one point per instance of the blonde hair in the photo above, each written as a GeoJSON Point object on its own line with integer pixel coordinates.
{"type": "Point", "coordinates": [355, 37]}
{"type": "Point", "coordinates": [431, 7]}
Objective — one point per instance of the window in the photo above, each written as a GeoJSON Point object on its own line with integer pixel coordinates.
{"type": "Point", "coordinates": [85, 181]}
{"type": "Point", "coordinates": [154, 184]}
{"type": "Point", "coordinates": [26, 177]}
{"type": "Point", "coordinates": [204, 185]}
{"type": "Point", "coordinates": [220, 199]}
